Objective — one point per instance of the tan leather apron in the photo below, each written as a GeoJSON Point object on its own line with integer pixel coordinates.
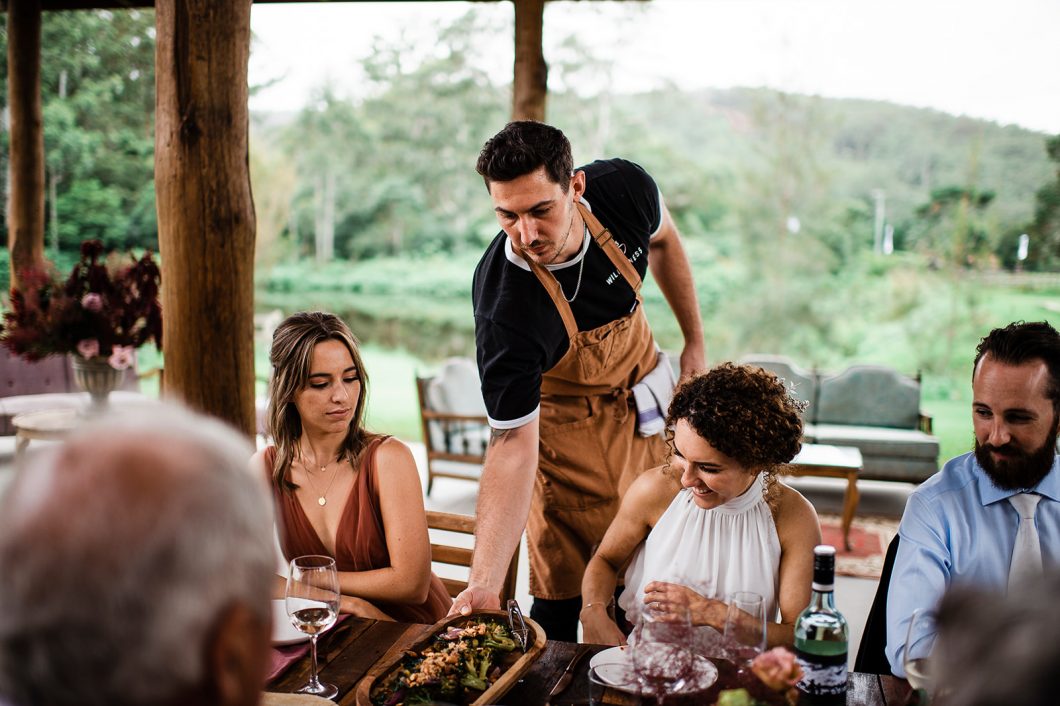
{"type": "Point", "coordinates": [590, 450]}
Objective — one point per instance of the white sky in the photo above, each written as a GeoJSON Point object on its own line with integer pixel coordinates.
{"type": "Point", "coordinates": [993, 59]}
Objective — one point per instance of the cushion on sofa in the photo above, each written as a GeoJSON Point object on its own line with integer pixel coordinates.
{"type": "Point", "coordinates": [456, 389]}
{"type": "Point", "coordinates": [21, 377]}
{"type": "Point", "coordinates": [905, 470]}
{"type": "Point", "coordinates": [802, 383]}
{"type": "Point", "coordinates": [879, 441]}
{"type": "Point", "coordinates": [868, 395]}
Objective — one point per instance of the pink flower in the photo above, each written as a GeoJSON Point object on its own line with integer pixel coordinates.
{"type": "Point", "coordinates": [122, 357]}
{"type": "Point", "coordinates": [88, 347]}
{"type": "Point", "coordinates": [92, 302]}
{"type": "Point", "coordinates": [777, 668]}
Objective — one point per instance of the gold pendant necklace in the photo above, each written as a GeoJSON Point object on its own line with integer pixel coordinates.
{"type": "Point", "coordinates": [322, 498]}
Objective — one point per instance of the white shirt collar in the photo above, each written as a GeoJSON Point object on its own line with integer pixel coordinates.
{"type": "Point", "coordinates": [517, 259]}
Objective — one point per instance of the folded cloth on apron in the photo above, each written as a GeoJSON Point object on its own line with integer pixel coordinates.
{"type": "Point", "coordinates": [652, 396]}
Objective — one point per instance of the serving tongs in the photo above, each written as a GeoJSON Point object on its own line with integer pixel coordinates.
{"type": "Point", "coordinates": [517, 624]}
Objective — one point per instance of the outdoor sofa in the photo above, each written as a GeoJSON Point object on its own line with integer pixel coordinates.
{"type": "Point", "coordinates": [872, 407]}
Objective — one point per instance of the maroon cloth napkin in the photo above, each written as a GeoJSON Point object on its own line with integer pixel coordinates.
{"type": "Point", "coordinates": [283, 657]}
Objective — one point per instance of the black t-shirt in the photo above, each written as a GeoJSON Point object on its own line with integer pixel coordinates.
{"type": "Point", "coordinates": [518, 331]}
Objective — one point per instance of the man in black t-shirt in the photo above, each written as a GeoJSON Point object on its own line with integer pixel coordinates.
{"type": "Point", "coordinates": [555, 362]}
{"type": "Point", "coordinates": [518, 332]}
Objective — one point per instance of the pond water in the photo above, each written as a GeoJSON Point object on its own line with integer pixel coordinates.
{"type": "Point", "coordinates": [431, 329]}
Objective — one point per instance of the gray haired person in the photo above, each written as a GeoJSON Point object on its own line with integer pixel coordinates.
{"type": "Point", "coordinates": [135, 568]}
{"type": "Point", "coordinates": [996, 650]}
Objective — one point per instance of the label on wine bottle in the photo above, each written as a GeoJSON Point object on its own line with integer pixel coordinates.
{"type": "Point", "coordinates": [823, 674]}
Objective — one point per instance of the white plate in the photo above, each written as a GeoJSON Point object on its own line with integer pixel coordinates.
{"type": "Point", "coordinates": [283, 632]}
{"type": "Point", "coordinates": [613, 666]}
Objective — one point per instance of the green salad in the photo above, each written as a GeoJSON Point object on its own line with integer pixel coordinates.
{"type": "Point", "coordinates": [457, 667]}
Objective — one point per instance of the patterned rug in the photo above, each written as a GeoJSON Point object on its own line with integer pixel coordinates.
{"type": "Point", "coordinates": [869, 537]}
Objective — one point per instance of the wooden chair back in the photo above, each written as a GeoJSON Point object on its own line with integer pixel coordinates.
{"type": "Point", "coordinates": [872, 657]}
{"type": "Point", "coordinates": [462, 556]}
{"type": "Point", "coordinates": [455, 441]}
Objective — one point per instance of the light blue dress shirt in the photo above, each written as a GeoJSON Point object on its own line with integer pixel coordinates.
{"type": "Point", "coordinates": [958, 528]}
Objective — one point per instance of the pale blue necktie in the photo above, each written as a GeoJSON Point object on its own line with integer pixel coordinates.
{"type": "Point", "coordinates": [1027, 549]}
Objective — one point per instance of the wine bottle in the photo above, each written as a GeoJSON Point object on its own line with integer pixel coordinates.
{"type": "Point", "coordinates": [821, 637]}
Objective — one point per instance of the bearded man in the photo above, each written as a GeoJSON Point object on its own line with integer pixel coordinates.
{"type": "Point", "coordinates": [989, 518]}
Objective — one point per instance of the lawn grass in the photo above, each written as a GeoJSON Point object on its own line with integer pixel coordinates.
{"type": "Point", "coordinates": [411, 313]}
{"type": "Point", "coordinates": [951, 423]}
{"type": "Point", "coordinates": [394, 409]}
{"type": "Point", "coordinates": [392, 404]}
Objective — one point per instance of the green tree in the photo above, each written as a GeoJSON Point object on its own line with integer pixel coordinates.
{"type": "Point", "coordinates": [97, 91]}
{"type": "Point", "coordinates": [952, 225]}
{"type": "Point", "coordinates": [1044, 230]}
{"type": "Point", "coordinates": [393, 171]}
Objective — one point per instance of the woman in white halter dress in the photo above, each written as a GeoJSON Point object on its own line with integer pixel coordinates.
{"type": "Point", "coordinates": [714, 520]}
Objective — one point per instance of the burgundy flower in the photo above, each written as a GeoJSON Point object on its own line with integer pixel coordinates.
{"type": "Point", "coordinates": [88, 347]}
{"type": "Point", "coordinates": [92, 302]}
{"type": "Point", "coordinates": [91, 249]}
{"type": "Point", "coordinates": [98, 310]}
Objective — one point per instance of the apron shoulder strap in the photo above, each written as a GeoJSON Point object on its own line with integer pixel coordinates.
{"type": "Point", "coordinates": [555, 291]}
{"type": "Point", "coordinates": [603, 238]}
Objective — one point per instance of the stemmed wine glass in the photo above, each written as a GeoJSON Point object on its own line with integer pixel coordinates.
{"type": "Point", "coordinates": [916, 658]}
{"type": "Point", "coordinates": [660, 650]}
{"type": "Point", "coordinates": [313, 606]}
{"type": "Point", "coordinates": [745, 626]}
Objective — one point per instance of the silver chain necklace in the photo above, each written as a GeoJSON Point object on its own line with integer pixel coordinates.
{"type": "Point", "coordinates": [577, 287]}
{"type": "Point", "coordinates": [581, 265]}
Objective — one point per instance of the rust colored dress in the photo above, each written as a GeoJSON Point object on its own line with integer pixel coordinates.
{"type": "Point", "coordinates": [361, 542]}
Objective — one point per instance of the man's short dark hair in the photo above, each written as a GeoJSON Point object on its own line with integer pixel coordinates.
{"type": "Point", "coordinates": [1021, 342]}
{"type": "Point", "coordinates": [523, 146]}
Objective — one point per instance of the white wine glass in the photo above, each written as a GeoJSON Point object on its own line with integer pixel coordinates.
{"type": "Point", "coordinates": [313, 605]}
{"type": "Point", "coordinates": [745, 626]}
{"type": "Point", "coordinates": [660, 650]}
{"type": "Point", "coordinates": [916, 658]}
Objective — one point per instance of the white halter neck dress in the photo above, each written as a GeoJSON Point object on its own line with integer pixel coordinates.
{"type": "Point", "coordinates": [733, 547]}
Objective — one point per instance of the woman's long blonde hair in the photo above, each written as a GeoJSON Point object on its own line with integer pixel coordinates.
{"type": "Point", "coordinates": [291, 357]}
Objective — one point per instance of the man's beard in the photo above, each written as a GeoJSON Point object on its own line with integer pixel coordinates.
{"type": "Point", "coordinates": [1020, 470]}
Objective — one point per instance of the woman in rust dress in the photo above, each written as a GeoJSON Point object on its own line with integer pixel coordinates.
{"type": "Point", "coordinates": [339, 489]}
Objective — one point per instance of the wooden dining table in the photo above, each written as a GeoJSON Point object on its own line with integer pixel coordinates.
{"type": "Point", "coordinates": [348, 652]}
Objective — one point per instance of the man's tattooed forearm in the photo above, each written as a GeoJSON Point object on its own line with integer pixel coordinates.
{"type": "Point", "coordinates": [498, 435]}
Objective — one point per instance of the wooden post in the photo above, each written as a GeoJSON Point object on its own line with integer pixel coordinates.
{"type": "Point", "coordinates": [530, 83]}
{"type": "Point", "coordinates": [25, 215]}
{"type": "Point", "coordinates": [205, 207]}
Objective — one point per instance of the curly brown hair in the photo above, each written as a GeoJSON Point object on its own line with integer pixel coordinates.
{"type": "Point", "coordinates": [744, 412]}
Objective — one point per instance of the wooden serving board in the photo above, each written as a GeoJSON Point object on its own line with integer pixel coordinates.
{"type": "Point", "coordinates": [390, 661]}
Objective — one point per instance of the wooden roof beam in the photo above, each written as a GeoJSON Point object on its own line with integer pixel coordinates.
{"type": "Point", "coordinates": [25, 216]}
{"type": "Point", "coordinates": [205, 210]}
{"type": "Point", "coordinates": [48, 5]}
{"type": "Point", "coordinates": [530, 77]}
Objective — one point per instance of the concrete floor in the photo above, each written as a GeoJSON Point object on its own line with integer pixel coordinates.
{"type": "Point", "coordinates": [853, 595]}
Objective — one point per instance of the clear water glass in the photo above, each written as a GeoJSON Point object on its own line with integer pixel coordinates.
{"type": "Point", "coordinates": [745, 626]}
{"type": "Point", "coordinates": [660, 650]}
{"type": "Point", "coordinates": [313, 606]}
